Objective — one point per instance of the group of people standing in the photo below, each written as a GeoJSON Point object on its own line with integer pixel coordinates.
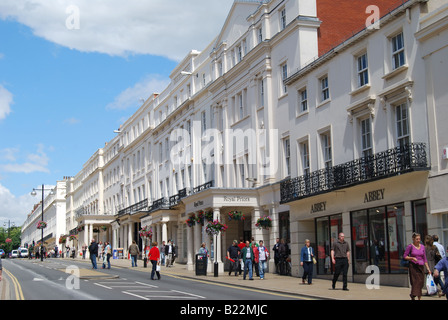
{"type": "Point", "coordinates": [103, 251]}
{"type": "Point", "coordinates": [247, 256]}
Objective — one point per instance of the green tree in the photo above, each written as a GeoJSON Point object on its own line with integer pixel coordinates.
{"type": "Point", "coordinates": [14, 234]}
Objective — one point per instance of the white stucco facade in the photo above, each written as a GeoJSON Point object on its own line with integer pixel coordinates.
{"type": "Point", "coordinates": [257, 122]}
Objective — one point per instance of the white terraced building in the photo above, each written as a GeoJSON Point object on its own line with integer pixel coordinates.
{"type": "Point", "coordinates": [258, 122]}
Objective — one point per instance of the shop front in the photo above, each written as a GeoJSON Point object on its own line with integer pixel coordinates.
{"type": "Point", "coordinates": [238, 209]}
{"type": "Point", "coordinates": [377, 219]}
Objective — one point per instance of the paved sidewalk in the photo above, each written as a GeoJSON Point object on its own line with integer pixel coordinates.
{"type": "Point", "coordinates": [320, 289]}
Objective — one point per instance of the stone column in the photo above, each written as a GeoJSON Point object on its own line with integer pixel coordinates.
{"type": "Point", "coordinates": [190, 248]}
{"type": "Point", "coordinates": [164, 235]}
{"type": "Point", "coordinates": [218, 241]}
{"type": "Point", "coordinates": [273, 234]}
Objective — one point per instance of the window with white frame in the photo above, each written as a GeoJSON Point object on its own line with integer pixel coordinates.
{"type": "Point", "coordinates": [261, 91]}
{"type": "Point", "coordinates": [167, 149]}
{"type": "Point", "coordinates": [303, 100]}
{"type": "Point", "coordinates": [203, 121]}
{"type": "Point", "coordinates": [366, 137]}
{"type": "Point", "coordinates": [240, 105]}
{"type": "Point", "coordinates": [402, 122]}
{"type": "Point", "coordinates": [326, 149]}
{"type": "Point", "coordinates": [284, 68]}
{"type": "Point", "coordinates": [282, 19]}
{"type": "Point", "coordinates": [324, 89]}
{"type": "Point", "coordinates": [363, 71]}
{"type": "Point", "coordinates": [287, 151]}
{"type": "Point", "coordinates": [398, 58]}
{"type": "Point", "coordinates": [260, 35]}
{"type": "Point", "coordinates": [305, 156]}
{"type": "Point", "coordinates": [239, 50]}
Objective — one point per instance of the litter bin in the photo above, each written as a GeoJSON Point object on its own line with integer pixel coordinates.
{"type": "Point", "coordinates": [201, 264]}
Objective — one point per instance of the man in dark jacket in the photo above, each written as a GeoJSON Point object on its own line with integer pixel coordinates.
{"type": "Point", "coordinates": [93, 250]}
{"type": "Point", "coordinates": [233, 255]}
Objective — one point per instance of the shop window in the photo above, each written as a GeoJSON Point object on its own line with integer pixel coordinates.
{"type": "Point", "coordinates": [378, 238]}
{"type": "Point", "coordinates": [327, 230]}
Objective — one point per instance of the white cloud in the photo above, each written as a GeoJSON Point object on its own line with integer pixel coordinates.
{"type": "Point", "coordinates": [34, 162]}
{"type": "Point", "coordinates": [116, 27]}
{"type": "Point", "coordinates": [15, 208]}
{"type": "Point", "coordinates": [5, 102]}
{"type": "Point", "coordinates": [132, 96]}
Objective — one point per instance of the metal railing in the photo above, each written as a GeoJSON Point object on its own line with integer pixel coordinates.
{"type": "Point", "coordinates": [392, 162]}
{"type": "Point", "coordinates": [139, 206]}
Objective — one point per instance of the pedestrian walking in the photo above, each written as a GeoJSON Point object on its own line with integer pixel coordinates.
{"type": "Point", "coordinates": [84, 250]}
{"type": "Point", "coordinates": [162, 253]}
{"type": "Point", "coordinates": [247, 255]}
{"type": "Point", "coordinates": [100, 251]}
{"type": "Point", "coordinates": [168, 253]}
{"type": "Point", "coordinates": [340, 256]}
{"type": "Point", "coordinates": [93, 250]}
{"type": "Point", "coordinates": [256, 259]}
{"type": "Point", "coordinates": [442, 266]}
{"type": "Point", "coordinates": [106, 255]}
{"type": "Point", "coordinates": [154, 257]}
{"type": "Point", "coordinates": [134, 251]}
{"type": "Point", "coordinates": [233, 254]}
{"type": "Point", "coordinates": [416, 255]}
{"type": "Point", "coordinates": [440, 255]}
{"type": "Point", "coordinates": [174, 248]}
{"type": "Point", "coordinates": [241, 245]}
{"type": "Point", "coordinates": [306, 261]}
{"type": "Point", "coordinates": [263, 255]}
{"type": "Point", "coordinates": [276, 254]}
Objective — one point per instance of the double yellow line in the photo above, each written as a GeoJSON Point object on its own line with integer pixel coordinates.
{"type": "Point", "coordinates": [17, 286]}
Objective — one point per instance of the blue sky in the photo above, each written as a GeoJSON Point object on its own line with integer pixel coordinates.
{"type": "Point", "coordinates": [63, 91]}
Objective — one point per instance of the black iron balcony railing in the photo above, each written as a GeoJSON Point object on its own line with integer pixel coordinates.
{"type": "Point", "coordinates": [202, 187]}
{"type": "Point", "coordinates": [139, 206]}
{"type": "Point", "coordinates": [392, 162]}
{"type": "Point", "coordinates": [176, 198]}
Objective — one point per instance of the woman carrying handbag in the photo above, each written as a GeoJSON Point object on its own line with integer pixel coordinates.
{"type": "Point", "coordinates": [154, 257]}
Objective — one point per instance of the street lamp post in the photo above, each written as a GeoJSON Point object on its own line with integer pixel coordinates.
{"type": "Point", "coordinates": [33, 193]}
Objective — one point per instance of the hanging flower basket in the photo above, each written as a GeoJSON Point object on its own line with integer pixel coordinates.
{"type": "Point", "coordinates": [41, 225]}
{"type": "Point", "coordinates": [146, 231]}
{"type": "Point", "coordinates": [80, 229]}
{"type": "Point", "coordinates": [236, 215]}
{"type": "Point", "coordinates": [201, 217]}
{"type": "Point", "coordinates": [215, 227]}
{"type": "Point", "coordinates": [209, 216]}
{"type": "Point", "coordinates": [104, 228]}
{"type": "Point", "coordinates": [264, 223]}
{"type": "Point", "coordinates": [62, 239]}
{"type": "Point", "coordinates": [191, 221]}
{"type": "Point", "coordinates": [8, 240]}
{"type": "Point", "coordinates": [73, 237]}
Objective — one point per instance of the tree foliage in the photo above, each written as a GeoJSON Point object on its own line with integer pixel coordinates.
{"type": "Point", "coordinates": [14, 234]}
